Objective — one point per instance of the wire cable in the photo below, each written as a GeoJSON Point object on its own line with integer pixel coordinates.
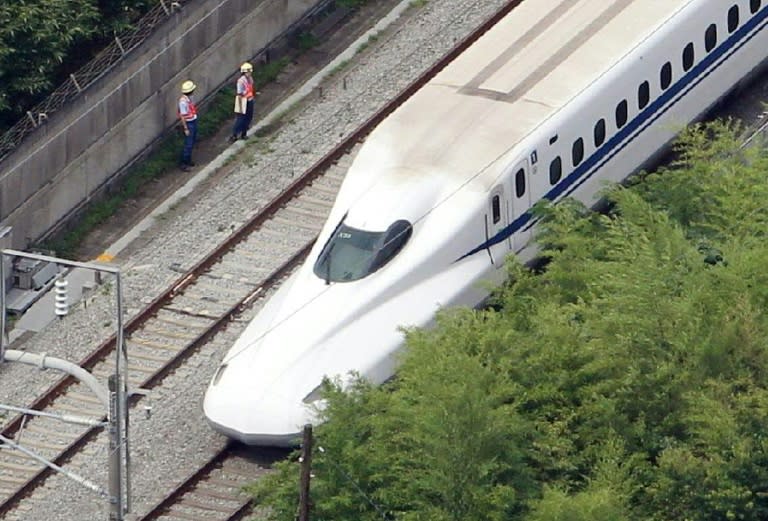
{"type": "Point", "coordinates": [377, 507]}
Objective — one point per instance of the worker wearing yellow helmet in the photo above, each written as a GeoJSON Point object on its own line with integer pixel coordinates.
{"type": "Point", "coordinates": [187, 112]}
{"type": "Point", "coordinates": [244, 94]}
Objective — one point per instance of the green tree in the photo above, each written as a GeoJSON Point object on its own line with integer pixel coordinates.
{"type": "Point", "coordinates": [35, 37]}
{"type": "Point", "coordinates": [605, 496]}
{"type": "Point", "coordinates": [715, 188]}
{"type": "Point", "coordinates": [119, 15]}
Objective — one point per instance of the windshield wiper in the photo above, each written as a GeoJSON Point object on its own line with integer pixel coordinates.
{"type": "Point", "coordinates": [328, 264]}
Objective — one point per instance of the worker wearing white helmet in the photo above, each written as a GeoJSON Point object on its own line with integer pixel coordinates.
{"type": "Point", "coordinates": [188, 115]}
{"type": "Point", "coordinates": [244, 94]}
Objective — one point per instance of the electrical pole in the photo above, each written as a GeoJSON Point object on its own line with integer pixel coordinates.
{"type": "Point", "coordinates": [114, 397]}
{"type": "Point", "coordinates": [2, 307]}
{"type": "Point", "coordinates": [306, 466]}
{"type": "Point", "coordinates": [115, 452]}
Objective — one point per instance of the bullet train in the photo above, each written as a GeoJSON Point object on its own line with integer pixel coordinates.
{"type": "Point", "coordinates": [556, 99]}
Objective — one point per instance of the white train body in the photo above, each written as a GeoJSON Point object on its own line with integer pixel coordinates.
{"type": "Point", "coordinates": [461, 162]}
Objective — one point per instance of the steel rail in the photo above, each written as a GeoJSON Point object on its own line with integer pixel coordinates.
{"type": "Point", "coordinates": [198, 478]}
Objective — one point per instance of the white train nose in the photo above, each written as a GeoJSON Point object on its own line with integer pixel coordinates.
{"type": "Point", "coordinates": [269, 421]}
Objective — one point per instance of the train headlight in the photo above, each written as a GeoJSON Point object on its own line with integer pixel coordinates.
{"type": "Point", "coordinates": [219, 373]}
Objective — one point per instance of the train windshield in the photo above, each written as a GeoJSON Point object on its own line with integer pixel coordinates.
{"type": "Point", "coordinates": [352, 254]}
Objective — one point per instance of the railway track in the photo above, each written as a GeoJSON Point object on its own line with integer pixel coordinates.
{"type": "Point", "coordinates": [237, 275]}
{"type": "Point", "coordinates": [199, 305]}
{"type": "Point", "coordinates": [214, 492]}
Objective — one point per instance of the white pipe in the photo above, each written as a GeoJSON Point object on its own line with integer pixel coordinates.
{"type": "Point", "coordinates": [49, 362]}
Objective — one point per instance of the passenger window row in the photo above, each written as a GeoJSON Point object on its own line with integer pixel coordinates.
{"type": "Point", "coordinates": [621, 115]}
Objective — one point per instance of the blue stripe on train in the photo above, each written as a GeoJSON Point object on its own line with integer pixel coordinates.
{"type": "Point", "coordinates": [635, 127]}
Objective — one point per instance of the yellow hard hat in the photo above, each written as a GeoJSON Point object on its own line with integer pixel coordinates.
{"type": "Point", "coordinates": [246, 67]}
{"type": "Point", "coordinates": [187, 87]}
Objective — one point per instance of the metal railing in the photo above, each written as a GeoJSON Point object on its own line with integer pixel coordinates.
{"type": "Point", "coordinates": [87, 75]}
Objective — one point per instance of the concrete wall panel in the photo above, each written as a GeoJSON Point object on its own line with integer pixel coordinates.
{"type": "Point", "coordinates": [68, 192]}
{"type": "Point", "coordinates": [10, 192]}
{"type": "Point", "coordinates": [85, 145]}
{"type": "Point", "coordinates": [77, 139]}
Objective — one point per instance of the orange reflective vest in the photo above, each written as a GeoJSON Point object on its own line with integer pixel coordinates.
{"type": "Point", "coordinates": [191, 113]}
{"type": "Point", "coordinates": [245, 87]}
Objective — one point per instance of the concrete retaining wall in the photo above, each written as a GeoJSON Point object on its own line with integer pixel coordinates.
{"type": "Point", "coordinates": [64, 163]}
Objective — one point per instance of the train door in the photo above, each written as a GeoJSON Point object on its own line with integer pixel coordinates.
{"type": "Point", "coordinates": [496, 222]}
{"type": "Point", "coordinates": [521, 203]}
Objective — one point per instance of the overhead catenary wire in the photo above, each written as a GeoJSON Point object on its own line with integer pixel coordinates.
{"type": "Point", "coordinates": [376, 506]}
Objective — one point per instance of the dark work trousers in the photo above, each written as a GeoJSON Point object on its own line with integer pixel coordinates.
{"type": "Point", "coordinates": [189, 142]}
{"type": "Point", "coordinates": [243, 121]}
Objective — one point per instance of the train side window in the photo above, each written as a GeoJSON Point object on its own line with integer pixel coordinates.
{"type": "Point", "coordinates": [496, 208]}
{"type": "Point", "coordinates": [643, 95]}
{"type": "Point", "coordinates": [665, 78]}
{"type": "Point", "coordinates": [710, 37]}
{"type": "Point", "coordinates": [520, 183]}
{"type": "Point", "coordinates": [599, 132]}
{"type": "Point", "coordinates": [577, 151]}
{"type": "Point", "coordinates": [555, 170]}
{"type": "Point", "coordinates": [754, 6]}
{"type": "Point", "coordinates": [621, 114]}
{"type": "Point", "coordinates": [688, 56]}
{"type": "Point", "coordinates": [733, 18]}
